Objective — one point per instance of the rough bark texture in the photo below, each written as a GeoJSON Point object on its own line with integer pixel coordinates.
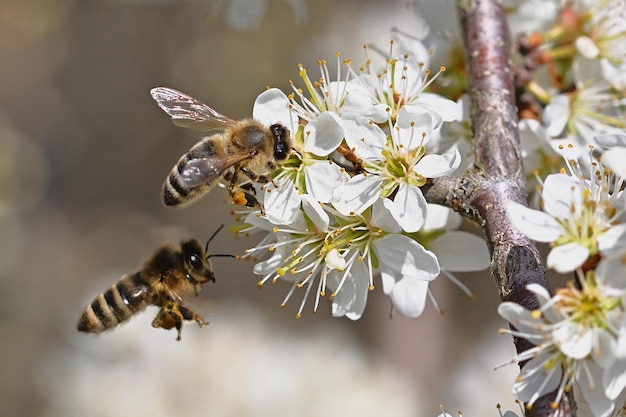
{"type": "Point", "coordinates": [498, 175]}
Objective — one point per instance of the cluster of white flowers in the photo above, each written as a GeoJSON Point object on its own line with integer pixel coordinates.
{"type": "Point", "coordinates": [583, 92]}
{"type": "Point", "coordinates": [580, 332]}
{"type": "Point", "coordinates": [347, 205]}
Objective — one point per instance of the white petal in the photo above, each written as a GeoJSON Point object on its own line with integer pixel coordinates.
{"type": "Point", "coordinates": [281, 203]}
{"type": "Point", "coordinates": [323, 134]}
{"type": "Point", "coordinates": [403, 255]}
{"type": "Point", "coordinates": [586, 47]}
{"type": "Point", "coordinates": [565, 258]}
{"type": "Point", "coordinates": [382, 218]}
{"type": "Point", "coordinates": [367, 139]}
{"type": "Point", "coordinates": [351, 299]}
{"type": "Point", "coordinates": [556, 115]}
{"type": "Point", "coordinates": [272, 106]}
{"type": "Point", "coordinates": [519, 317]}
{"type": "Point", "coordinates": [323, 178]}
{"type": "Point", "coordinates": [420, 121]}
{"type": "Point", "coordinates": [532, 135]}
{"type": "Point", "coordinates": [611, 140]}
{"type": "Point", "coordinates": [447, 109]}
{"type": "Point", "coordinates": [561, 193]}
{"type": "Point", "coordinates": [441, 218]}
{"type": "Point", "coordinates": [357, 194]}
{"type": "Point", "coordinates": [409, 296]}
{"type": "Point", "coordinates": [408, 208]}
{"type": "Point", "coordinates": [614, 378]}
{"type": "Point", "coordinates": [316, 213]}
{"type": "Point", "coordinates": [612, 239]}
{"type": "Point", "coordinates": [573, 340]}
{"type": "Point", "coordinates": [274, 261]}
{"type": "Point", "coordinates": [433, 165]}
{"type": "Point", "coordinates": [614, 159]}
{"type": "Point", "coordinates": [542, 294]}
{"type": "Point", "coordinates": [611, 271]}
{"type": "Point", "coordinates": [535, 224]}
{"type": "Point", "coordinates": [261, 222]}
{"type": "Point", "coordinates": [591, 389]}
{"type": "Point", "coordinates": [461, 251]}
{"type": "Point", "coordinates": [533, 377]}
{"type": "Point", "coordinates": [389, 280]}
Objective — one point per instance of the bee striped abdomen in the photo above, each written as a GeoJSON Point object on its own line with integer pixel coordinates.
{"type": "Point", "coordinates": [193, 174]}
{"type": "Point", "coordinates": [115, 305]}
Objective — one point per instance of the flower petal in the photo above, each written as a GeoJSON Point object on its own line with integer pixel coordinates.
{"type": "Point", "coordinates": [316, 213]}
{"type": "Point", "coordinates": [461, 251]}
{"type": "Point", "coordinates": [382, 218]}
{"type": "Point", "coordinates": [281, 201]}
{"type": "Point", "coordinates": [441, 218]}
{"type": "Point", "coordinates": [367, 139]}
{"type": "Point", "coordinates": [565, 258]}
{"type": "Point", "coordinates": [323, 134]}
{"type": "Point", "coordinates": [614, 158]}
{"type": "Point", "coordinates": [351, 299]}
{"type": "Point", "coordinates": [560, 194]}
{"type": "Point", "coordinates": [434, 166]}
{"type": "Point", "coordinates": [556, 115]}
{"type": "Point", "coordinates": [574, 340]}
{"type": "Point", "coordinates": [273, 106]}
{"type": "Point", "coordinates": [408, 207]}
{"type": "Point", "coordinates": [403, 255]}
{"type": "Point", "coordinates": [535, 224]}
{"type": "Point", "coordinates": [535, 379]}
{"type": "Point", "coordinates": [409, 296]}
{"type": "Point", "coordinates": [323, 178]}
{"type": "Point", "coordinates": [357, 194]}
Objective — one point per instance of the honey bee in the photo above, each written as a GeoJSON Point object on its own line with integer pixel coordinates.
{"type": "Point", "coordinates": [245, 147]}
{"type": "Point", "coordinates": [164, 279]}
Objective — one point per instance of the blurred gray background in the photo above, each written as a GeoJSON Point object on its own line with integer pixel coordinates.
{"type": "Point", "coordinates": [83, 153]}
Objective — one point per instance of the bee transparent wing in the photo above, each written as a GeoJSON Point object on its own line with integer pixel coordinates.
{"type": "Point", "coordinates": [188, 112]}
{"type": "Point", "coordinates": [201, 171]}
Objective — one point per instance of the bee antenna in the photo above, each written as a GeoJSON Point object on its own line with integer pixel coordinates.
{"type": "Point", "coordinates": [221, 255]}
{"type": "Point", "coordinates": [206, 248]}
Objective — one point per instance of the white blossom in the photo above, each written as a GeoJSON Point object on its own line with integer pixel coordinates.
{"type": "Point", "coordinates": [581, 217]}
{"type": "Point", "coordinates": [397, 171]}
{"type": "Point", "coordinates": [323, 249]}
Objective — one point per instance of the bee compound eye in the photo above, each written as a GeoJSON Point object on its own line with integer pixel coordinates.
{"type": "Point", "coordinates": [196, 262]}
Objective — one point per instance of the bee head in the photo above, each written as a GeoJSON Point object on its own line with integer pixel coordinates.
{"type": "Point", "coordinates": [282, 146]}
{"type": "Point", "coordinates": [197, 260]}
{"type": "Point", "coordinates": [198, 268]}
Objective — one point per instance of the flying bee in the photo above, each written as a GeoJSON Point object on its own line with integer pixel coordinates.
{"type": "Point", "coordinates": [245, 147]}
{"type": "Point", "coordinates": [164, 279]}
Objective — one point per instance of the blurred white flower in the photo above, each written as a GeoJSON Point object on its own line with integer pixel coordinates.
{"type": "Point", "coordinates": [581, 116]}
{"type": "Point", "coordinates": [242, 365]}
{"type": "Point", "coordinates": [603, 39]}
{"type": "Point", "coordinates": [247, 14]}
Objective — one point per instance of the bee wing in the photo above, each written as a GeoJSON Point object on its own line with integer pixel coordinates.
{"type": "Point", "coordinates": [200, 171]}
{"type": "Point", "coordinates": [188, 112]}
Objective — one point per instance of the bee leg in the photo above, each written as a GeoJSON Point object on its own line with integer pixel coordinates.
{"type": "Point", "coordinates": [264, 179]}
{"type": "Point", "coordinates": [253, 176]}
{"type": "Point", "coordinates": [250, 192]}
{"type": "Point", "coordinates": [169, 317]}
{"type": "Point", "coordinates": [243, 194]}
{"type": "Point", "coordinates": [190, 315]}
